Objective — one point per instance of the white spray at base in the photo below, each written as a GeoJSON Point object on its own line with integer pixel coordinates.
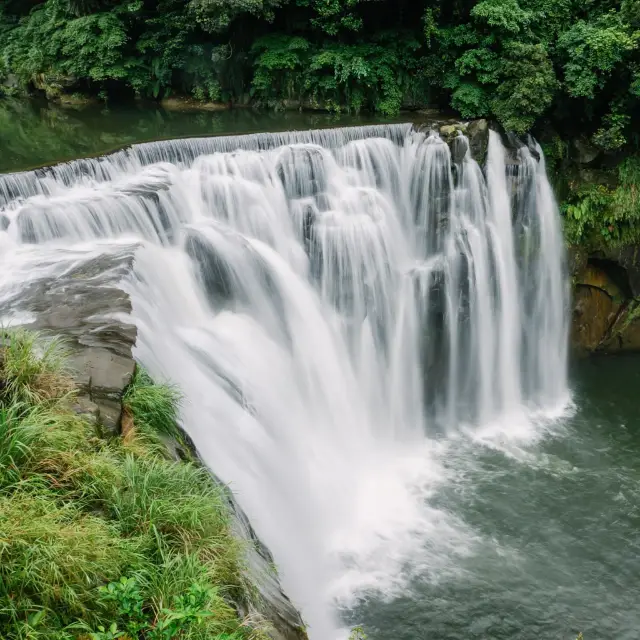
{"type": "Point", "coordinates": [336, 307]}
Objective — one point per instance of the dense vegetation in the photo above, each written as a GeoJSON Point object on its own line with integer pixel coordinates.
{"type": "Point", "coordinates": [518, 61]}
{"type": "Point", "coordinates": [106, 539]}
{"type": "Point", "coordinates": [565, 68]}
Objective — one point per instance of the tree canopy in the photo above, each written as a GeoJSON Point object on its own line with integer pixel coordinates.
{"type": "Point", "coordinates": [576, 62]}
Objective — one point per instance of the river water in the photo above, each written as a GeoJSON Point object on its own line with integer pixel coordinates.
{"type": "Point", "coordinates": [371, 354]}
{"type": "Point", "coordinates": [547, 533]}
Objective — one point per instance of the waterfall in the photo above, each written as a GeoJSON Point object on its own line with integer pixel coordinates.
{"type": "Point", "coordinates": [332, 304]}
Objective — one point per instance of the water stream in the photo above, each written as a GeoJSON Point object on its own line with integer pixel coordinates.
{"type": "Point", "coordinates": [363, 331]}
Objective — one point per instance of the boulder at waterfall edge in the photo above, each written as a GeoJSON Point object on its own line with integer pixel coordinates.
{"type": "Point", "coordinates": [477, 133]}
{"type": "Point", "coordinates": [86, 307]}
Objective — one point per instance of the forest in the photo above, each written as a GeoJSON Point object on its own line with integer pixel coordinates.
{"type": "Point", "coordinates": [565, 70]}
{"type": "Point", "coordinates": [573, 62]}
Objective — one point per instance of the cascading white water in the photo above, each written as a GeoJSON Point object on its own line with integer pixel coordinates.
{"type": "Point", "coordinates": [332, 305]}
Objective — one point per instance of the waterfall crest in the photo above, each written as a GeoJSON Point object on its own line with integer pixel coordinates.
{"type": "Point", "coordinates": [324, 300]}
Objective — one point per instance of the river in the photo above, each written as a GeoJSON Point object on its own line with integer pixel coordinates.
{"type": "Point", "coordinates": [36, 133]}
{"type": "Point", "coordinates": [508, 509]}
{"type": "Point", "coordinates": [548, 526]}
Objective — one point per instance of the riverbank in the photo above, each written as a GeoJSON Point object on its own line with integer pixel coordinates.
{"type": "Point", "coordinates": [112, 534]}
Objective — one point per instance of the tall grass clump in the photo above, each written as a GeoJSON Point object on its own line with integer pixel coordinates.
{"type": "Point", "coordinates": [19, 429]}
{"type": "Point", "coordinates": [103, 539]}
{"type": "Point", "coordinates": [53, 556]}
{"type": "Point", "coordinates": [154, 407]}
{"type": "Point", "coordinates": [32, 370]}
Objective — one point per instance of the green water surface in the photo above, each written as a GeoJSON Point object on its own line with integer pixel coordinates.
{"type": "Point", "coordinates": [553, 529]}
{"type": "Point", "coordinates": [34, 134]}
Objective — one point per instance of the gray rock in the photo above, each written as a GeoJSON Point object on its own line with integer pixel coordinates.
{"type": "Point", "coordinates": [629, 259]}
{"type": "Point", "coordinates": [85, 306]}
{"type": "Point", "coordinates": [478, 134]}
{"type": "Point", "coordinates": [459, 147]}
{"type": "Point", "coordinates": [272, 603]}
{"type": "Point", "coordinates": [88, 410]}
{"type": "Point", "coordinates": [448, 130]}
{"type": "Point", "coordinates": [584, 152]}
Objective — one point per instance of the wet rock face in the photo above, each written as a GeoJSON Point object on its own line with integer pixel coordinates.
{"type": "Point", "coordinates": [583, 151]}
{"type": "Point", "coordinates": [606, 312]}
{"type": "Point", "coordinates": [85, 307]}
{"type": "Point", "coordinates": [593, 315]}
{"type": "Point", "coordinates": [476, 133]}
{"type": "Point", "coordinates": [271, 603]}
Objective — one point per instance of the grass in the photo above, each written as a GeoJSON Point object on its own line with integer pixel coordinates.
{"type": "Point", "coordinates": [154, 406]}
{"type": "Point", "coordinates": [32, 370]}
{"type": "Point", "coordinates": [53, 556]}
{"type": "Point", "coordinates": [79, 513]}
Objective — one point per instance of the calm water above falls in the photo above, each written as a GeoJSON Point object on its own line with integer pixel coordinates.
{"type": "Point", "coordinates": [373, 355]}
{"type": "Point", "coordinates": [34, 133]}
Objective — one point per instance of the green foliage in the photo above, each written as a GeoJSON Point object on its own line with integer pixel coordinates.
{"type": "Point", "coordinates": [612, 136]}
{"type": "Point", "coordinates": [217, 15]}
{"type": "Point", "coordinates": [593, 49]}
{"type": "Point", "coordinates": [357, 633]}
{"type": "Point", "coordinates": [598, 215]}
{"type": "Point", "coordinates": [504, 15]}
{"type": "Point", "coordinates": [154, 407]}
{"type": "Point", "coordinates": [77, 513]}
{"type": "Point", "coordinates": [363, 75]}
{"type": "Point", "coordinates": [51, 42]}
{"type": "Point", "coordinates": [334, 16]}
{"type": "Point", "coordinates": [517, 61]}
{"type": "Point", "coordinates": [135, 619]}
{"type": "Point", "coordinates": [527, 86]}
{"type": "Point", "coordinates": [32, 368]}
{"type": "Point", "coordinates": [20, 426]}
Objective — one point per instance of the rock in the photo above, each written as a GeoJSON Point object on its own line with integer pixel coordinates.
{"type": "Point", "coordinates": [478, 134]}
{"type": "Point", "coordinates": [577, 259]}
{"type": "Point", "coordinates": [583, 151]}
{"type": "Point", "coordinates": [187, 103]}
{"type": "Point", "coordinates": [629, 259]}
{"type": "Point", "coordinates": [11, 86]}
{"type": "Point", "coordinates": [625, 332]}
{"type": "Point", "coordinates": [593, 315]}
{"type": "Point", "coordinates": [598, 277]}
{"type": "Point", "coordinates": [271, 602]}
{"type": "Point", "coordinates": [598, 302]}
{"type": "Point", "coordinates": [88, 410]}
{"type": "Point", "coordinates": [433, 119]}
{"type": "Point", "coordinates": [448, 132]}
{"type": "Point", "coordinates": [103, 376]}
{"type": "Point", "coordinates": [55, 85]}
{"type": "Point", "coordinates": [85, 306]}
{"type": "Point", "coordinates": [459, 147]}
